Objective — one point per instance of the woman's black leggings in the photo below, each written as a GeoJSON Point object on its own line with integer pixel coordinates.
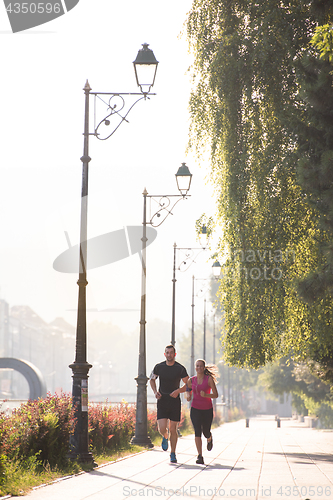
{"type": "Point", "coordinates": [202, 421]}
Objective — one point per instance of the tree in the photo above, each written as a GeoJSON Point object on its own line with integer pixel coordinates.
{"type": "Point", "coordinates": [309, 393]}
{"type": "Point", "coordinates": [247, 75]}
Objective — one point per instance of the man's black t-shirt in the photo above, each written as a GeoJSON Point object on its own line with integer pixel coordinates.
{"type": "Point", "coordinates": [169, 376]}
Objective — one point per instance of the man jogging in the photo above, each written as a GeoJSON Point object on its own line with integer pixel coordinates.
{"type": "Point", "coordinates": [170, 373]}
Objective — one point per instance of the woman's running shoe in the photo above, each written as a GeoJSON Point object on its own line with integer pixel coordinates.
{"type": "Point", "coordinates": [200, 460]}
{"type": "Point", "coordinates": [210, 443]}
{"type": "Point", "coordinates": [173, 458]}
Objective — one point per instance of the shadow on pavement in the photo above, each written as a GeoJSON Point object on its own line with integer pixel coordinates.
{"type": "Point", "coordinates": [220, 466]}
{"type": "Point", "coordinates": [305, 457]}
{"type": "Point", "coordinates": [208, 467]}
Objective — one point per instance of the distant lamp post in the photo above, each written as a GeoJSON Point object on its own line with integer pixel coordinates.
{"type": "Point", "coordinates": [164, 201]}
{"type": "Point", "coordinates": [192, 329]}
{"type": "Point", "coordinates": [80, 367]}
{"type": "Point", "coordinates": [216, 267]}
{"type": "Point", "coordinates": [203, 236]}
{"type": "Point", "coordinates": [189, 259]}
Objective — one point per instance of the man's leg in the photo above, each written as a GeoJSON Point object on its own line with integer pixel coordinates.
{"type": "Point", "coordinates": [162, 425]}
{"type": "Point", "coordinates": [173, 435]}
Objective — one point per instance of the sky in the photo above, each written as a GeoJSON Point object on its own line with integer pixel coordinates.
{"type": "Point", "coordinates": [44, 70]}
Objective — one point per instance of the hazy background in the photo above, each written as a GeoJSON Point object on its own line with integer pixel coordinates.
{"type": "Point", "coordinates": [42, 107]}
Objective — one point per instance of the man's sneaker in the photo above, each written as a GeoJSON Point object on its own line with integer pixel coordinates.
{"type": "Point", "coordinates": [200, 460]}
{"type": "Point", "coordinates": [165, 444]}
{"type": "Point", "coordinates": [173, 458]}
{"type": "Point", "coordinates": [210, 443]}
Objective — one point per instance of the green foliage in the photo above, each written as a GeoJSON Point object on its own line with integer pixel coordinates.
{"type": "Point", "coordinates": [325, 415]}
{"type": "Point", "coordinates": [309, 393]}
{"type": "Point", "coordinates": [322, 41]}
{"type": "Point", "coordinates": [314, 125]}
{"type": "Point", "coordinates": [247, 75]}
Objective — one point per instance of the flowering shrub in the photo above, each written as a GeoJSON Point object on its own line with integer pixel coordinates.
{"type": "Point", "coordinates": [40, 427]}
{"type": "Point", "coordinates": [111, 427]}
{"type": "Point", "coordinates": [38, 432]}
{"type": "Point", "coordinates": [2, 458]}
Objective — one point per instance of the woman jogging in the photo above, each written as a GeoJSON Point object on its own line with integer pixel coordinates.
{"type": "Point", "coordinates": [201, 386]}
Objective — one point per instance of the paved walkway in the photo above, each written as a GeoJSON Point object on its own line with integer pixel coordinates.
{"type": "Point", "coordinates": [259, 462]}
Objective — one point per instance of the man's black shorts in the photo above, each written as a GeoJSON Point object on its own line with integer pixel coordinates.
{"type": "Point", "coordinates": [168, 407]}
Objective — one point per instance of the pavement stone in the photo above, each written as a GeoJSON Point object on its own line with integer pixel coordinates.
{"type": "Point", "coordinates": [259, 462]}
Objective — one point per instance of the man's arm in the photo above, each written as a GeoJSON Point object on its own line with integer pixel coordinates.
{"type": "Point", "coordinates": [175, 393]}
{"type": "Point", "coordinates": [153, 378]}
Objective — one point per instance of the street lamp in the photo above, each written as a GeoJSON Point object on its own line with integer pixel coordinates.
{"type": "Point", "coordinates": [80, 367]}
{"type": "Point", "coordinates": [164, 201]}
{"type": "Point", "coordinates": [216, 267]}
{"type": "Point", "coordinates": [203, 236]}
{"type": "Point", "coordinates": [187, 261]}
{"type": "Point", "coordinates": [214, 336]}
{"type": "Point", "coordinates": [192, 336]}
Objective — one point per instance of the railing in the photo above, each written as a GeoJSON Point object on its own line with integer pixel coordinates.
{"type": "Point", "coordinates": [7, 405]}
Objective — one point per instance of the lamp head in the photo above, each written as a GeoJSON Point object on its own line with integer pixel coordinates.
{"type": "Point", "coordinates": [216, 269]}
{"type": "Point", "coordinates": [145, 67]}
{"type": "Point", "coordinates": [183, 178]}
{"type": "Point", "coordinates": [203, 236]}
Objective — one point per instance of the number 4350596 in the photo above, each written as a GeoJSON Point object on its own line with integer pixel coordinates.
{"type": "Point", "coordinates": [304, 491]}
{"type": "Point", "coordinates": [34, 8]}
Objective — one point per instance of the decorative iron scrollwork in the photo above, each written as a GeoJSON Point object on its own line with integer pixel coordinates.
{"type": "Point", "coordinates": [115, 108]}
{"type": "Point", "coordinates": [164, 210]}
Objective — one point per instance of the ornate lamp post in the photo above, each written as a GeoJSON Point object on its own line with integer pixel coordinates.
{"type": "Point", "coordinates": [183, 178]}
{"type": "Point", "coordinates": [216, 268]}
{"type": "Point", "coordinates": [147, 63]}
{"type": "Point", "coordinates": [186, 262]}
{"type": "Point", "coordinates": [203, 290]}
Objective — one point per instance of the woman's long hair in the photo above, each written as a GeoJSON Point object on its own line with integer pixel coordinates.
{"type": "Point", "coordinates": [211, 370]}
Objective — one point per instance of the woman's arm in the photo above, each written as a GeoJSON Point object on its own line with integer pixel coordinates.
{"type": "Point", "coordinates": [214, 393]}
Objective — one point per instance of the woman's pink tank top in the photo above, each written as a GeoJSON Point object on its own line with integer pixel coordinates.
{"type": "Point", "coordinates": [199, 402]}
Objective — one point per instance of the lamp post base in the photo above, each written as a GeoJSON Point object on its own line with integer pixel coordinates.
{"type": "Point", "coordinates": [142, 441]}
{"type": "Point", "coordinates": [141, 437]}
{"type": "Point", "coordinates": [84, 458]}
{"type": "Point", "coordinates": [79, 440]}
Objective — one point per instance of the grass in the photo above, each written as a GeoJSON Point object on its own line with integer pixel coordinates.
{"type": "Point", "coordinates": [21, 478]}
